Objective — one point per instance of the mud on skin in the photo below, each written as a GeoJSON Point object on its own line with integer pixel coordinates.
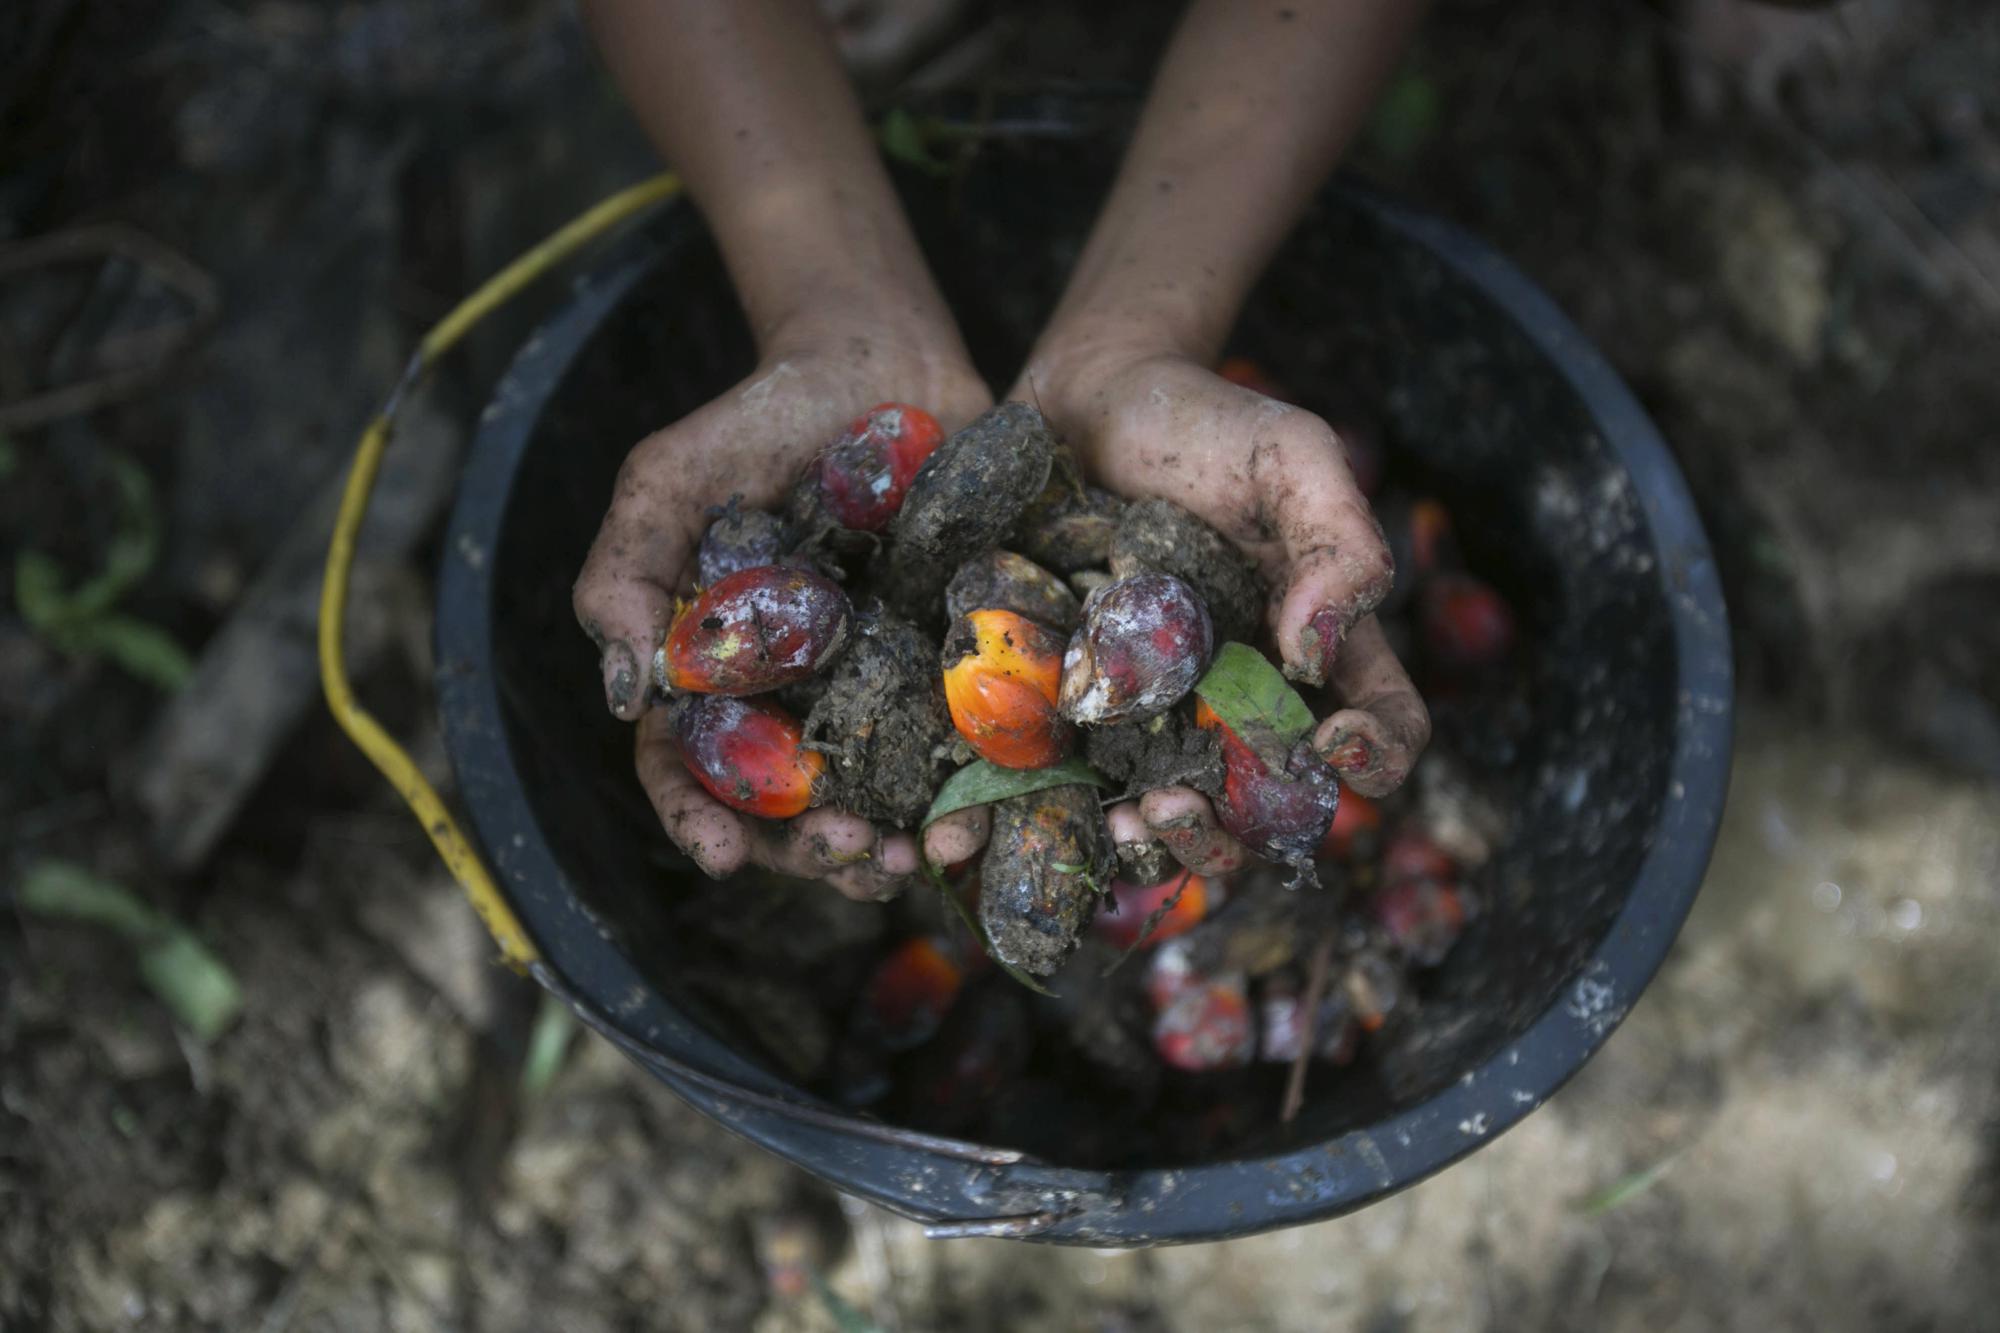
{"type": "Point", "coordinates": [1047, 862]}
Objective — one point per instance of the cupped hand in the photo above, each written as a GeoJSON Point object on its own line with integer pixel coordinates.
{"type": "Point", "coordinates": [754, 440]}
{"type": "Point", "coordinates": [1275, 479]}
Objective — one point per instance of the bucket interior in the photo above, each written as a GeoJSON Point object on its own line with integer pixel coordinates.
{"type": "Point", "coordinates": [1353, 312]}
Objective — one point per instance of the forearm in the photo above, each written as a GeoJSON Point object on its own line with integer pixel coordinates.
{"type": "Point", "coordinates": [747, 100]}
{"type": "Point", "coordinates": [1252, 107]}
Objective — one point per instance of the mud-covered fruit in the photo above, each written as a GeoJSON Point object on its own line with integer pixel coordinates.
{"type": "Point", "coordinates": [1001, 580]}
{"type": "Point", "coordinates": [1207, 1027]}
{"type": "Point", "coordinates": [738, 539]}
{"type": "Point", "coordinates": [1170, 971]}
{"type": "Point", "coordinates": [1002, 674]}
{"type": "Point", "coordinates": [864, 474]}
{"type": "Point", "coordinates": [1357, 824]}
{"type": "Point", "coordinates": [1281, 1025]}
{"type": "Point", "coordinates": [753, 631]}
{"type": "Point", "coordinates": [1411, 853]}
{"type": "Point", "coordinates": [746, 753]}
{"type": "Point", "coordinates": [1422, 917]}
{"type": "Point", "coordinates": [1048, 859]}
{"type": "Point", "coordinates": [906, 998]}
{"type": "Point", "coordinates": [1282, 811]}
{"type": "Point", "coordinates": [1144, 642]}
{"type": "Point", "coordinates": [1182, 901]}
{"type": "Point", "coordinates": [1467, 627]}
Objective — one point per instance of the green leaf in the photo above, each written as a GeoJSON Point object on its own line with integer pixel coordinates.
{"type": "Point", "coordinates": [548, 1043]}
{"type": "Point", "coordinates": [982, 783]}
{"type": "Point", "coordinates": [904, 140]}
{"type": "Point", "coordinates": [38, 593]}
{"type": "Point", "coordinates": [1624, 1189]}
{"type": "Point", "coordinates": [64, 891]}
{"type": "Point", "coordinates": [133, 548]}
{"type": "Point", "coordinates": [144, 650]}
{"type": "Point", "coordinates": [189, 978]}
{"type": "Point", "coordinates": [194, 983]}
{"type": "Point", "coordinates": [979, 932]}
{"type": "Point", "coordinates": [1253, 699]}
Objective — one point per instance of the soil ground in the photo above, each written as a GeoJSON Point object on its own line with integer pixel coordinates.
{"type": "Point", "coordinates": [1786, 235]}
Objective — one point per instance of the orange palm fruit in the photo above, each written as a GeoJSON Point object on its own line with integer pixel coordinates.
{"type": "Point", "coordinates": [1002, 676]}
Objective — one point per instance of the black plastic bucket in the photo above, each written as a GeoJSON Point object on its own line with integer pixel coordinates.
{"type": "Point", "coordinates": [1558, 479]}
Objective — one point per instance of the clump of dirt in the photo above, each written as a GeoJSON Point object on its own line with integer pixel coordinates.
{"type": "Point", "coordinates": [1160, 535]}
{"type": "Point", "coordinates": [1164, 751]}
{"type": "Point", "coordinates": [882, 725]}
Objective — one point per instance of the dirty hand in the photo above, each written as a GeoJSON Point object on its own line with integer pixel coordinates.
{"type": "Point", "coordinates": [755, 440]}
{"type": "Point", "coordinates": [1146, 420]}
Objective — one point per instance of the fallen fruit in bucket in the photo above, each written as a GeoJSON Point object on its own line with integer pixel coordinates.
{"type": "Point", "coordinates": [1180, 902]}
{"type": "Point", "coordinates": [1356, 826]}
{"type": "Point", "coordinates": [1143, 643]}
{"type": "Point", "coordinates": [1467, 627]}
{"type": "Point", "coordinates": [1422, 917]}
{"type": "Point", "coordinates": [746, 753]}
{"type": "Point", "coordinates": [755, 630]}
{"type": "Point", "coordinates": [1002, 673]}
{"type": "Point", "coordinates": [908, 995]}
{"type": "Point", "coordinates": [1207, 1027]}
{"type": "Point", "coordinates": [863, 475]}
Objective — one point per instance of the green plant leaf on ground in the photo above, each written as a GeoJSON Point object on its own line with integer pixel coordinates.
{"type": "Point", "coordinates": [81, 621]}
{"type": "Point", "coordinates": [982, 783]}
{"type": "Point", "coordinates": [1253, 699]}
{"type": "Point", "coordinates": [195, 984]}
{"type": "Point", "coordinates": [1624, 1189]}
{"type": "Point", "coordinates": [548, 1042]}
{"type": "Point", "coordinates": [142, 649]}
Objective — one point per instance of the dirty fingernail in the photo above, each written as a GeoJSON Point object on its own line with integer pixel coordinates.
{"type": "Point", "coordinates": [1319, 644]}
{"type": "Point", "coordinates": [1351, 752]}
{"type": "Point", "coordinates": [620, 666]}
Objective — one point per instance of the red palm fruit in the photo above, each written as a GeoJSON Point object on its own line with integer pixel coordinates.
{"type": "Point", "coordinates": [1281, 1027]}
{"type": "Point", "coordinates": [908, 995]}
{"type": "Point", "coordinates": [1356, 825]}
{"type": "Point", "coordinates": [755, 630]}
{"type": "Point", "coordinates": [1282, 816]}
{"type": "Point", "coordinates": [1467, 627]}
{"type": "Point", "coordinates": [1002, 673]}
{"type": "Point", "coordinates": [746, 753]}
{"type": "Point", "coordinates": [1207, 1027]}
{"type": "Point", "coordinates": [1433, 547]}
{"type": "Point", "coordinates": [1423, 917]}
{"type": "Point", "coordinates": [864, 474]}
{"type": "Point", "coordinates": [1144, 642]}
{"type": "Point", "coordinates": [1169, 972]}
{"type": "Point", "coordinates": [1247, 373]}
{"type": "Point", "coordinates": [1411, 854]}
{"type": "Point", "coordinates": [1134, 905]}
{"type": "Point", "coordinates": [1373, 986]}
